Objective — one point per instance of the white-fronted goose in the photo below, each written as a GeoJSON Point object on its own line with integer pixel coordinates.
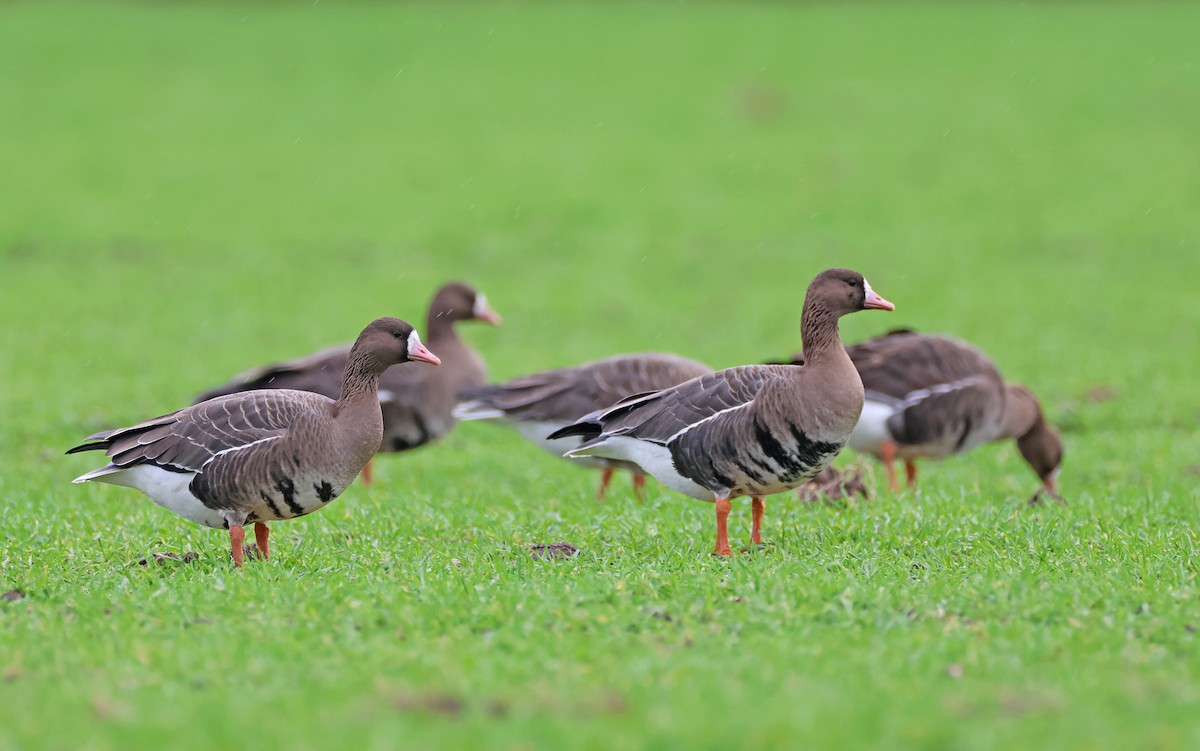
{"type": "Point", "coordinates": [418, 403]}
{"type": "Point", "coordinates": [536, 405]}
{"type": "Point", "coordinates": [752, 430]}
{"type": "Point", "coordinates": [263, 455]}
{"type": "Point", "coordinates": [933, 396]}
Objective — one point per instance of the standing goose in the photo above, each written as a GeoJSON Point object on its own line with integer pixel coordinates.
{"type": "Point", "coordinates": [417, 402]}
{"type": "Point", "coordinates": [933, 396]}
{"type": "Point", "coordinates": [751, 430]}
{"type": "Point", "coordinates": [541, 403]}
{"type": "Point", "coordinates": [257, 456]}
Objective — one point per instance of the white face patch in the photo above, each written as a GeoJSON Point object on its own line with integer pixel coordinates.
{"type": "Point", "coordinates": [481, 305]}
{"type": "Point", "coordinates": [414, 342]}
{"type": "Point", "coordinates": [867, 288]}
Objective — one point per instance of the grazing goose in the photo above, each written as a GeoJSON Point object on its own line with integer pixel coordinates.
{"type": "Point", "coordinates": [417, 402]}
{"type": "Point", "coordinates": [751, 430]}
{"type": "Point", "coordinates": [262, 455]}
{"type": "Point", "coordinates": [541, 403]}
{"type": "Point", "coordinates": [933, 396]}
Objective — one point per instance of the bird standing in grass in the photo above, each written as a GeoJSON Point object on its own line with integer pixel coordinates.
{"type": "Point", "coordinates": [751, 430]}
{"type": "Point", "coordinates": [258, 456]}
{"type": "Point", "coordinates": [933, 396]}
{"type": "Point", "coordinates": [417, 402]}
{"type": "Point", "coordinates": [538, 404]}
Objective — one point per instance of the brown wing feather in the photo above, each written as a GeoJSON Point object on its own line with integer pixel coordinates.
{"type": "Point", "coordinates": [657, 416]}
{"type": "Point", "coordinates": [187, 439]}
{"type": "Point", "coordinates": [952, 419]}
{"type": "Point", "coordinates": [897, 364]}
{"type": "Point", "coordinates": [320, 373]}
{"type": "Point", "coordinates": [569, 393]}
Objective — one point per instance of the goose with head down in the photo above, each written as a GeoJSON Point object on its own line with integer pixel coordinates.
{"type": "Point", "coordinates": [536, 405]}
{"type": "Point", "coordinates": [751, 430]}
{"type": "Point", "coordinates": [259, 456]}
{"type": "Point", "coordinates": [932, 396]}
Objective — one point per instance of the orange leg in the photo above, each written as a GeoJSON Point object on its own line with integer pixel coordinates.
{"type": "Point", "coordinates": [722, 546]}
{"type": "Point", "coordinates": [605, 479]}
{"type": "Point", "coordinates": [261, 533]}
{"type": "Point", "coordinates": [639, 486]}
{"type": "Point", "coordinates": [887, 452]}
{"type": "Point", "coordinates": [367, 477]}
{"type": "Point", "coordinates": [236, 536]}
{"type": "Point", "coordinates": [910, 472]}
{"type": "Point", "coordinates": [760, 508]}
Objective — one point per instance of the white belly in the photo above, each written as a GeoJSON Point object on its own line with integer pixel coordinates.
{"type": "Point", "coordinates": [653, 458]}
{"type": "Point", "coordinates": [169, 490]}
{"type": "Point", "coordinates": [872, 432]}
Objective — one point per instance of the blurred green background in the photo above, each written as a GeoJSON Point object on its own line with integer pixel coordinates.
{"type": "Point", "coordinates": [192, 189]}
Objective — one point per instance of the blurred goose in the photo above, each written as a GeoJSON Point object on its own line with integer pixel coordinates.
{"type": "Point", "coordinates": [417, 402]}
{"type": "Point", "coordinates": [263, 455]}
{"type": "Point", "coordinates": [751, 430]}
{"type": "Point", "coordinates": [933, 396]}
{"type": "Point", "coordinates": [537, 405]}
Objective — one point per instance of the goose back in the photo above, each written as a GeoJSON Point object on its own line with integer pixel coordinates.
{"type": "Point", "coordinates": [750, 430]}
{"type": "Point", "coordinates": [265, 454]}
{"type": "Point", "coordinates": [931, 395]}
{"type": "Point", "coordinates": [739, 431]}
{"type": "Point", "coordinates": [417, 402]}
{"type": "Point", "coordinates": [539, 404]}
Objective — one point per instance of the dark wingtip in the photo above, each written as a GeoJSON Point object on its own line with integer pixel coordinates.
{"type": "Point", "coordinates": [588, 430]}
{"type": "Point", "coordinates": [86, 447]}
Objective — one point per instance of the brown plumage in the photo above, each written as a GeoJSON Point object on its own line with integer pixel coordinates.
{"type": "Point", "coordinates": [751, 430]}
{"type": "Point", "coordinates": [261, 455]}
{"type": "Point", "coordinates": [536, 405]}
{"type": "Point", "coordinates": [417, 403]}
{"type": "Point", "coordinates": [933, 396]}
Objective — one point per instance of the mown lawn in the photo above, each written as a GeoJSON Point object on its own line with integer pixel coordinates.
{"type": "Point", "coordinates": [193, 189]}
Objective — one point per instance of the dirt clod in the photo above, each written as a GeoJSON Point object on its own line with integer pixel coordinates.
{"type": "Point", "coordinates": [441, 704]}
{"type": "Point", "coordinates": [496, 707]}
{"type": "Point", "coordinates": [554, 550]}
{"type": "Point", "coordinates": [13, 595]}
{"type": "Point", "coordinates": [833, 484]}
{"type": "Point", "coordinates": [1100, 393]}
{"type": "Point", "coordinates": [253, 553]}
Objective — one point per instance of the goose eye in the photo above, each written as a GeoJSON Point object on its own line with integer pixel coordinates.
{"type": "Point", "coordinates": [398, 334]}
{"type": "Point", "coordinates": [852, 282]}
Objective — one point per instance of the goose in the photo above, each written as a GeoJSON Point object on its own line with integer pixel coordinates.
{"type": "Point", "coordinates": [932, 396]}
{"type": "Point", "coordinates": [750, 430]}
{"type": "Point", "coordinates": [417, 402]}
{"type": "Point", "coordinates": [541, 403]}
{"type": "Point", "coordinates": [259, 456]}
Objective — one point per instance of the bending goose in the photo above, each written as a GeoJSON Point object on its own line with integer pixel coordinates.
{"type": "Point", "coordinates": [541, 403]}
{"type": "Point", "coordinates": [933, 396]}
{"type": "Point", "coordinates": [417, 402]}
{"type": "Point", "coordinates": [751, 430]}
{"type": "Point", "coordinates": [262, 455]}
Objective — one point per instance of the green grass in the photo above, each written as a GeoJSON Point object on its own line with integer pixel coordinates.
{"type": "Point", "coordinates": [190, 190]}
